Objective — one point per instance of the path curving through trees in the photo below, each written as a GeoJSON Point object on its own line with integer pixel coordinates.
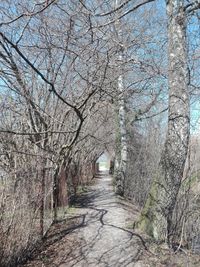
{"type": "Point", "coordinates": [101, 237]}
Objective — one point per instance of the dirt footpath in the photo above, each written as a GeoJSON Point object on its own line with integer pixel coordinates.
{"type": "Point", "coordinates": [98, 236]}
{"type": "Point", "coordinates": [106, 240]}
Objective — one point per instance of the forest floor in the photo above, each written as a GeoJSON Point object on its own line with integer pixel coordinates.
{"type": "Point", "coordinates": [98, 234]}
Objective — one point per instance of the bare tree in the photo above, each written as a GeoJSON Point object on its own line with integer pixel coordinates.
{"type": "Point", "coordinates": [157, 215]}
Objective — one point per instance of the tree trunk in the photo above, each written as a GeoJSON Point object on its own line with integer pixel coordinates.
{"type": "Point", "coordinates": [120, 172]}
{"type": "Point", "coordinates": [156, 217]}
{"type": "Point", "coordinates": [55, 194]}
{"type": "Point", "coordinates": [42, 195]}
{"type": "Point", "coordinates": [112, 166]}
{"type": "Point", "coordinates": [62, 188]}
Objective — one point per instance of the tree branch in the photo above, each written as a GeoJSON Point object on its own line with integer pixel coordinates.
{"type": "Point", "coordinates": [191, 7]}
{"type": "Point", "coordinates": [28, 14]}
{"type": "Point", "coordinates": [113, 10]}
{"type": "Point", "coordinates": [53, 89]}
{"type": "Point", "coordinates": [126, 13]}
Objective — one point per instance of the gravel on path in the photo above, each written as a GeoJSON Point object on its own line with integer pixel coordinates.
{"type": "Point", "coordinates": [102, 239]}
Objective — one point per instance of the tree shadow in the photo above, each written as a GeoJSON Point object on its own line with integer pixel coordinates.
{"type": "Point", "coordinates": [91, 247]}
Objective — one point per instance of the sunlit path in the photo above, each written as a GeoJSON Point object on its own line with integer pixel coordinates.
{"type": "Point", "coordinates": [103, 238]}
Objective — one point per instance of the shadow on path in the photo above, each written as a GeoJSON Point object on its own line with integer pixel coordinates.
{"type": "Point", "coordinates": [98, 236]}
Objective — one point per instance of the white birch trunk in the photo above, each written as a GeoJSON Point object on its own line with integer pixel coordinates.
{"type": "Point", "coordinates": [157, 215]}
{"type": "Point", "coordinates": [121, 168]}
{"type": "Point", "coordinates": [121, 175]}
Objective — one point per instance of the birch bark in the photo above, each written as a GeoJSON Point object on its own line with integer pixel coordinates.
{"type": "Point", "coordinates": [157, 215]}
{"type": "Point", "coordinates": [122, 164]}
